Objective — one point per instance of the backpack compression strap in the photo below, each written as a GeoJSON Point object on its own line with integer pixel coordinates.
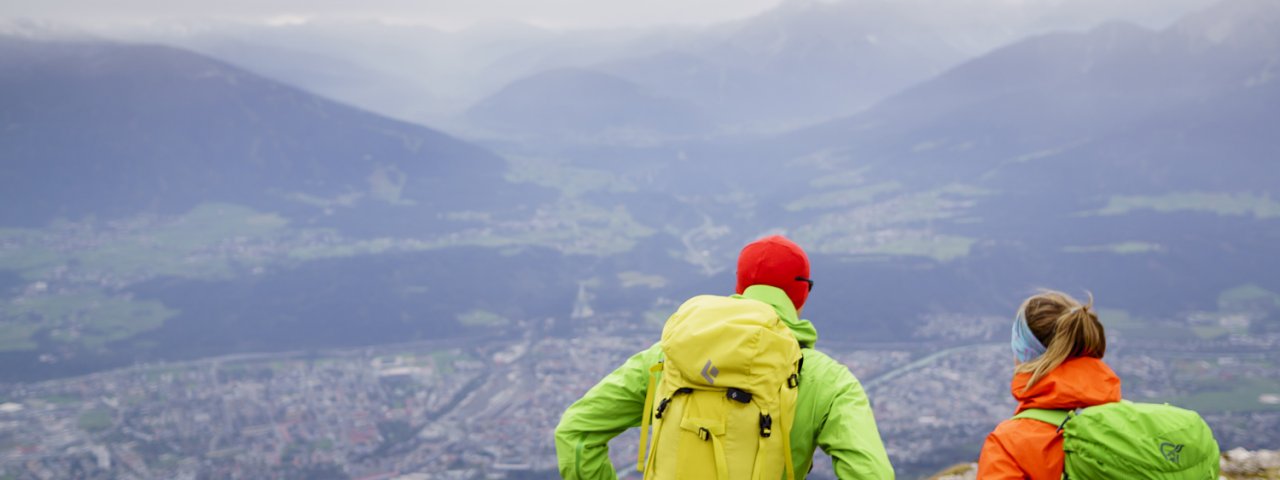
{"type": "Point", "coordinates": [1057, 418]}
{"type": "Point", "coordinates": [648, 411]}
{"type": "Point", "coordinates": [787, 405]}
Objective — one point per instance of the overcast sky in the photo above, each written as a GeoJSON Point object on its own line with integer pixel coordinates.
{"type": "Point", "coordinates": [449, 14]}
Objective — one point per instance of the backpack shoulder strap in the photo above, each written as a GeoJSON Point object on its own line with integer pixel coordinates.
{"type": "Point", "coordinates": [1057, 418]}
{"type": "Point", "coordinates": [648, 411]}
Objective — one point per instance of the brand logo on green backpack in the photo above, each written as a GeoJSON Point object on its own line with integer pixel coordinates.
{"type": "Point", "coordinates": [1172, 452]}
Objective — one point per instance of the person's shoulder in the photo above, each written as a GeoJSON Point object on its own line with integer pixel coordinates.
{"type": "Point", "coordinates": [817, 358]}
{"type": "Point", "coordinates": [1022, 430]}
{"type": "Point", "coordinates": [819, 364]}
{"type": "Point", "coordinates": [651, 354]}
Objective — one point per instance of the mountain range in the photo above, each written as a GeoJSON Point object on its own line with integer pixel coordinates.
{"type": "Point", "coordinates": [799, 61]}
{"type": "Point", "coordinates": [1130, 161]}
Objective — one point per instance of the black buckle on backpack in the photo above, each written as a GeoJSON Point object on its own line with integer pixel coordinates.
{"type": "Point", "coordinates": [1070, 415]}
{"type": "Point", "coordinates": [736, 395]}
{"type": "Point", "coordinates": [793, 381]}
{"type": "Point", "coordinates": [661, 407]}
{"type": "Point", "coordinates": [766, 425]}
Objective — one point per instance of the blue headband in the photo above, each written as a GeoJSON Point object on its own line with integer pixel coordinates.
{"type": "Point", "coordinates": [1026, 347]}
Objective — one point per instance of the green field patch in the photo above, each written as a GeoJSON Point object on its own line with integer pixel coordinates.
{"type": "Point", "coordinates": [1047, 152]}
{"type": "Point", "coordinates": [843, 198]}
{"type": "Point", "coordinates": [1119, 319]}
{"type": "Point", "coordinates": [1227, 204]}
{"type": "Point", "coordinates": [372, 246]}
{"type": "Point", "coordinates": [899, 226]}
{"type": "Point", "coordinates": [1125, 323]}
{"type": "Point", "coordinates": [91, 319]}
{"type": "Point", "coordinates": [186, 247]}
{"type": "Point", "coordinates": [942, 248]}
{"type": "Point", "coordinates": [575, 228]}
{"type": "Point", "coordinates": [911, 243]}
{"type": "Point", "coordinates": [849, 178]}
{"type": "Point", "coordinates": [822, 160]}
{"type": "Point", "coordinates": [1239, 395]}
{"type": "Point", "coordinates": [443, 360]}
{"type": "Point", "coordinates": [201, 243]}
{"type": "Point", "coordinates": [569, 226]}
{"type": "Point", "coordinates": [95, 420]}
{"type": "Point", "coordinates": [62, 399]}
{"type": "Point", "coordinates": [631, 279]}
{"type": "Point", "coordinates": [344, 200]}
{"type": "Point", "coordinates": [210, 223]}
{"type": "Point", "coordinates": [571, 181]}
{"type": "Point", "coordinates": [18, 335]}
{"type": "Point", "coordinates": [1122, 248]}
{"type": "Point", "coordinates": [482, 318]}
{"type": "Point", "coordinates": [31, 261]}
{"type": "Point", "coordinates": [1248, 297]}
{"type": "Point", "coordinates": [1209, 332]}
{"type": "Point", "coordinates": [323, 445]}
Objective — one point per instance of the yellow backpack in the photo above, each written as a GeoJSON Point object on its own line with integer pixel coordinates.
{"type": "Point", "coordinates": [727, 394]}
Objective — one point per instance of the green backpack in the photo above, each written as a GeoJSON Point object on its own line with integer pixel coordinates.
{"type": "Point", "coordinates": [1133, 440]}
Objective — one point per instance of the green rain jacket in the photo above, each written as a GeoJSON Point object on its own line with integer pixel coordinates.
{"type": "Point", "coordinates": [832, 410]}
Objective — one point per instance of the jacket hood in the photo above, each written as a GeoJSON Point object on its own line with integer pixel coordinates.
{"type": "Point", "coordinates": [1077, 383]}
{"type": "Point", "coordinates": [781, 303]}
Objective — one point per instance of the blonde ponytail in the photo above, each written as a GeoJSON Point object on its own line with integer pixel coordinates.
{"type": "Point", "coordinates": [1066, 327]}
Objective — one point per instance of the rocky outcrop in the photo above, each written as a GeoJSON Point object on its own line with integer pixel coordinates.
{"type": "Point", "coordinates": [1244, 464]}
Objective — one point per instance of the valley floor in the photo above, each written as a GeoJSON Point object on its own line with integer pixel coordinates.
{"type": "Point", "coordinates": [488, 407]}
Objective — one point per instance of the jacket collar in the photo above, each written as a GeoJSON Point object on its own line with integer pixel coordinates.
{"type": "Point", "coordinates": [804, 331]}
{"type": "Point", "coordinates": [1077, 383]}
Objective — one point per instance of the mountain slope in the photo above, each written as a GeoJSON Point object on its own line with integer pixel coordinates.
{"type": "Point", "coordinates": [582, 102]}
{"type": "Point", "coordinates": [1181, 95]}
{"type": "Point", "coordinates": [107, 130]}
{"type": "Point", "coordinates": [802, 61]}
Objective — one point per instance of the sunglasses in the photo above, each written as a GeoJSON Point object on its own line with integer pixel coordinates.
{"type": "Point", "coordinates": [806, 280]}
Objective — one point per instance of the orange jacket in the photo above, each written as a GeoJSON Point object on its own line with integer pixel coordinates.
{"type": "Point", "coordinates": [1030, 449]}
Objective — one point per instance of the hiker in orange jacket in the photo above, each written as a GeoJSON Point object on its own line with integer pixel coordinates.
{"type": "Point", "coordinates": [1058, 345]}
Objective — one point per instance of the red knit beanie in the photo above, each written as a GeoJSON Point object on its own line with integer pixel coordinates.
{"type": "Point", "coordinates": [778, 262]}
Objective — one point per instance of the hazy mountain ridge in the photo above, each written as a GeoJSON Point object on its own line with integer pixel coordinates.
{"type": "Point", "coordinates": [578, 102]}
{"type": "Point", "coordinates": [799, 61]}
{"type": "Point", "coordinates": [96, 121]}
{"type": "Point", "coordinates": [1074, 94]}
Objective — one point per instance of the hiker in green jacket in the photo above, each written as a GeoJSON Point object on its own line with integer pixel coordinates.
{"type": "Point", "coordinates": [832, 410]}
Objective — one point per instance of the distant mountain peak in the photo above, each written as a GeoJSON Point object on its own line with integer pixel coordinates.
{"type": "Point", "coordinates": [111, 129]}
{"type": "Point", "coordinates": [579, 100]}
